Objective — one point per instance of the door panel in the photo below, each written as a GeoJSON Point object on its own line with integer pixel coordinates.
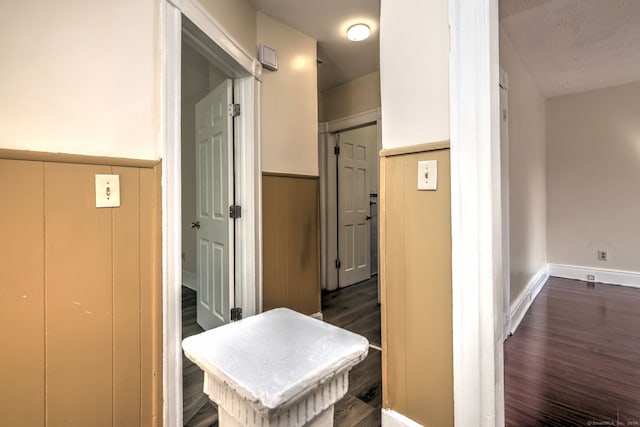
{"type": "Point", "coordinates": [353, 206]}
{"type": "Point", "coordinates": [214, 168]}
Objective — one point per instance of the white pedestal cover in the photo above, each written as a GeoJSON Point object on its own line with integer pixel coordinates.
{"type": "Point", "coordinates": [278, 368]}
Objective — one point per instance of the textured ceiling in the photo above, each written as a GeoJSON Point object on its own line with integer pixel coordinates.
{"type": "Point", "coordinates": [573, 46]}
{"type": "Point", "coordinates": [327, 21]}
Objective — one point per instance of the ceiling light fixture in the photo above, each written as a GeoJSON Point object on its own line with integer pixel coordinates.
{"type": "Point", "coordinates": [358, 32]}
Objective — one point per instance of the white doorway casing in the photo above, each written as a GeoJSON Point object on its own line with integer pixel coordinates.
{"type": "Point", "coordinates": [504, 181]}
{"type": "Point", "coordinates": [478, 368]}
{"type": "Point", "coordinates": [246, 71]}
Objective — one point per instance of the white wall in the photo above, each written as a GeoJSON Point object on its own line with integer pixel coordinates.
{"type": "Point", "coordinates": [238, 18]}
{"type": "Point", "coordinates": [355, 96]}
{"type": "Point", "coordinates": [414, 72]}
{"type": "Point", "coordinates": [527, 180]}
{"type": "Point", "coordinates": [80, 77]}
{"type": "Point", "coordinates": [289, 101]}
{"type": "Point", "coordinates": [593, 175]}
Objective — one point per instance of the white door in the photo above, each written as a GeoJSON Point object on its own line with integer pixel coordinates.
{"type": "Point", "coordinates": [353, 210]}
{"type": "Point", "coordinates": [214, 168]}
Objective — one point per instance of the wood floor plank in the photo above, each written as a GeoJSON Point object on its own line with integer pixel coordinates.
{"type": "Point", "coordinates": [365, 380]}
{"type": "Point", "coordinates": [350, 411]}
{"type": "Point", "coordinates": [574, 358]}
{"type": "Point", "coordinates": [356, 309]}
{"type": "Point", "coordinates": [196, 405]}
{"type": "Point", "coordinates": [371, 420]}
{"type": "Point", "coordinates": [206, 417]}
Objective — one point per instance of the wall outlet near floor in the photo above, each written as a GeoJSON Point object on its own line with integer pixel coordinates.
{"type": "Point", "coordinates": [591, 277]}
{"type": "Point", "coordinates": [602, 255]}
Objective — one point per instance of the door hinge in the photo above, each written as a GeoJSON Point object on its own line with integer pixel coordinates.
{"type": "Point", "coordinates": [338, 263]}
{"type": "Point", "coordinates": [235, 211]}
{"type": "Point", "coordinates": [234, 110]}
{"type": "Point", "coordinates": [236, 314]}
{"type": "Point", "coordinates": [336, 150]}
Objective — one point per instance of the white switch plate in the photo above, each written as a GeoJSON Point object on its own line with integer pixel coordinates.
{"type": "Point", "coordinates": [427, 175]}
{"type": "Point", "coordinates": [107, 191]}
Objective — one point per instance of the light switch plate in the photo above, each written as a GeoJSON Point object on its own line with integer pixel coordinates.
{"type": "Point", "coordinates": [107, 191]}
{"type": "Point", "coordinates": [428, 175]}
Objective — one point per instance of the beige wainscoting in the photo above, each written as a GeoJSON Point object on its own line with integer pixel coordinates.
{"type": "Point", "coordinates": [80, 293]}
{"type": "Point", "coordinates": [416, 297]}
{"type": "Point", "coordinates": [291, 242]}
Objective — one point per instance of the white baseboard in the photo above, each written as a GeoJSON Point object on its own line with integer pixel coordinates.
{"type": "Point", "coordinates": [190, 280]}
{"type": "Point", "coordinates": [600, 275]}
{"type": "Point", "coordinates": [519, 307]}
{"type": "Point", "coordinates": [391, 418]}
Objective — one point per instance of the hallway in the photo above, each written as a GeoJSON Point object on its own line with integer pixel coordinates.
{"type": "Point", "coordinates": [356, 309]}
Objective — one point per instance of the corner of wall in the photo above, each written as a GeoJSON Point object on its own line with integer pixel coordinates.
{"type": "Point", "coordinates": [519, 307]}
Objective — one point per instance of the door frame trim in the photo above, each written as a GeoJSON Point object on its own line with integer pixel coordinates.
{"type": "Point", "coordinates": [478, 364]}
{"type": "Point", "coordinates": [506, 209]}
{"type": "Point", "coordinates": [248, 184]}
{"type": "Point", "coordinates": [328, 240]}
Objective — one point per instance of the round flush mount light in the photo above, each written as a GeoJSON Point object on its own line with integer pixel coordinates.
{"type": "Point", "coordinates": [358, 32]}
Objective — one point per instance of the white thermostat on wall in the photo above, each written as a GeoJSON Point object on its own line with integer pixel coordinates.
{"type": "Point", "coordinates": [268, 57]}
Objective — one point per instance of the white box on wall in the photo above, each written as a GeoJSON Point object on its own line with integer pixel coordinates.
{"type": "Point", "coordinates": [268, 57]}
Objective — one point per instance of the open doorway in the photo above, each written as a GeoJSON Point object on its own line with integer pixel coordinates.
{"type": "Point", "coordinates": [349, 165]}
{"type": "Point", "coordinates": [356, 204]}
{"type": "Point", "coordinates": [207, 181]}
{"type": "Point", "coordinates": [230, 74]}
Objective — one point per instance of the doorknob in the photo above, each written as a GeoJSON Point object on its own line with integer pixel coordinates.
{"type": "Point", "coordinates": [195, 224]}
{"type": "Point", "coordinates": [368, 217]}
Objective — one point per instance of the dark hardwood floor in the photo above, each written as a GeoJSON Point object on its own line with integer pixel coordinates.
{"type": "Point", "coordinates": [198, 410]}
{"type": "Point", "coordinates": [356, 309]}
{"type": "Point", "coordinates": [575, 358]}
